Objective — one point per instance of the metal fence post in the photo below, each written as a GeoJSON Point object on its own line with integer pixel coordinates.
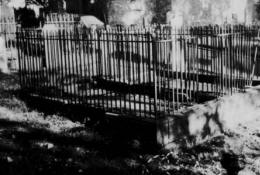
{"type": "Point", "coordinates": [155, 64]}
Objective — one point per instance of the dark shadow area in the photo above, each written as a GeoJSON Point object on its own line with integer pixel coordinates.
{"type": "Point", "coordinates": [39, 151]}
{"type": "Point", "coordinates": [118, 128]}
{"type": "Point", "coordinates": [73, 138]}
{"type": "Point", "coordinates": [103, 145]}
{"type": "Point", "coordinates": [121, 127]}
{"type": "Point", "coordinates": [27, 17]}
{"type": "Point", "coordinates": [231, 163]}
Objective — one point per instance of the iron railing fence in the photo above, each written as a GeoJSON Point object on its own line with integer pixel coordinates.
{"type": "Point", "coordinates": [62, 20]}
{"type": "Point", "coordinates": [145, 72]}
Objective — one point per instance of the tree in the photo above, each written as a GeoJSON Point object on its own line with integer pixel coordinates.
{"type": "Point", "coordinates": [98, 8]}
{"type": "Point", "coordinates": [160, 9]}
{"type": "Point", "coordinates": [43, 3]}
{"type": "Point", "coordinates": [26, 17]}
{"type": "Point", "coordinates": [257, 10]}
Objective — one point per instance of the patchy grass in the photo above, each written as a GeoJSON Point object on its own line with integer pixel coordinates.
{"type": "Point", "coordinates": [34, 142]}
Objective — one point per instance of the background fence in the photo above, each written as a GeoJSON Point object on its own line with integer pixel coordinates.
{"type": "Point", "coordinates": [146, 72]}
{"type": "Point", "coordinates": [62, 19]}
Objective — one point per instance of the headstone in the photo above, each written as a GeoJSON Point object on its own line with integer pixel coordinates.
{"type": "Point", "coordinates": [3, 56]}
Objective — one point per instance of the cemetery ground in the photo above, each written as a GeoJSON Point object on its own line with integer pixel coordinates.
{"type": "Point", "coordinates": [38, 138]}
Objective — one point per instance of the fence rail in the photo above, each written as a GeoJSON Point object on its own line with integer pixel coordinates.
{"type": "Point", "coordinates": [146, 72]}
{"type": "Point", "coordinates": [62, 19]}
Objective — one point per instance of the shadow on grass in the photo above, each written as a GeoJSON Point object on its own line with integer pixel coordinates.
{"type": "Point", "coordinates": [28, 150]}
{"type": "Point", "coordinates": [117, 128]}
{"type": "Point", "coordinates": [13, 98]}
{"type": "Point", "coordinates": [102, 147]}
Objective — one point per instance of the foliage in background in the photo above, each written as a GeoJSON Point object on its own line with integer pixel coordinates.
{"type": "Point", "coordinates": [160, 9]}
{"type": "Point", "coordinates": [257, 9]}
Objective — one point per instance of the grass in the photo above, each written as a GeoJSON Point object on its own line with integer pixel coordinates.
{"type": "Point", "coordinates": [40, 137]}
{"type": "Point", "coordinates": [34, 142]}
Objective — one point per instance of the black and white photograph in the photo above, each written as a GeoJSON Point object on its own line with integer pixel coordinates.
{"type": "Point", "coordinates": [129, 87]}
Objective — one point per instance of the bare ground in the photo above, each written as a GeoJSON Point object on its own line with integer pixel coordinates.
{"type": "Point", "coordinates": [33, 142]}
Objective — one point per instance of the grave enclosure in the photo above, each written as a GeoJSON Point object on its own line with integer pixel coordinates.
{"type": "Point", "coordinates": [143, 72]}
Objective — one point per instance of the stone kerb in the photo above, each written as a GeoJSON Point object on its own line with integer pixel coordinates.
{"type": "Point", "coordinates": [201, 122]}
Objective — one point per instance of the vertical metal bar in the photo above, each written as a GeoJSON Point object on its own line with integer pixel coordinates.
{"type": "Point", "coordinates": [56, 69]}
{"type": "Point", "coordinates": [101, 64]}
{"type": "Point", "coordinates": [155, 65]}
{"type": "Point", "coordinates": [169, 78]}
{"type": "Point", "coordinates": [201, 58]}
{"type": "Point", "coordinates": [124, 62]}
{"type": "Point", "coordinates": [66, 68]}
{"type": "Point", "coordinates": [92, 69]}
{"type": "Point", "coordinates": [172, 60]}
{"type": "Point", "coordinates": [197, 63]}
{"type": "Point", "coordinates": [48, 55]}
{"type": "Point", "coordinates": [168, 73]}
{"type": "Point", "coordinates": [212, 57]}
{"type": "Point", "coordinates": [68, 77]}
{"type": "Point", "coordinates": [215, 58]}
{"type": "Point", "coordinates": [61, 54]}
{"type": "Point", "coordinates": [226, 74]}
{"type": "Point", "coordinates": [180, 55]}
{"type": "Point", "coordinates": [143, 66]}
{"type": "Point", "coordinates": [34, 60]}
{"type": "Point", "coordinates": [54, 59]}
{"type": "Point", "coordinates": [109, 77]}
{"type": "Point", "coordinates": [149, 68]}
{"type": "Point", "coordinates": [38, 60]}
{"type": "Point", "coordinates": [106, 64]}
{"type": "Point", "coordinates": [222, 63]}
{"type": "Point", "coordinates": [114, 65]}
{"type": "Point", "coordinates": [189, 63]}
{"type": "Point", "coordinates": [98, 65]}
{"type": "Point", "coordinates": [164, 80]}
{"type": "Point", "coordinates": [52, 66]}
{"type": "Point", "coordinates": [95, 68]}
{"type": "Point", "coordinates": [77, 65]}
{"type": "Point", "coordinates": [24, 59]}
{"type": "Point", "coordinates": [246, 48]}
{"type": "Point", "coordinates": [117, 51]}
{"type": "Point", "coordinates": [207, 36]}
{"type": "Point", "coordinates": [135, 71]}
{"type": "Point", "coordinates": [176, 42]}
{"type": "Point", "coordinates": [185, 55]}
{"type": "Point", "coordinates": [231, 60]}
{"type": "Point", "coordinates": [60, 65]}
{"type": "Point", "coordinates": [45, 57]}
{"type": "Point", "coordinates": [240, 59]}
{"type": "Point", "coordinates": [128, 61]}
{"type": "Point", "coordinates": [138, 68]}
{"type": "Point", "coordinates": [120, 66]}
{"type": "Point", "coordinates": [250, 53]}
{"type": "Point", "coordinates": [83, 68]}
{"type": "Point", "coordinates": [28, 65]}
{"type": "Point", "coordinates": [20, 57]}
{"type": "Point", "coordinates": [236, 57]}
{"type": "Point", "coordinates": [31, 61]}
{"type": "Point", "coordinates": [235, 54]}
